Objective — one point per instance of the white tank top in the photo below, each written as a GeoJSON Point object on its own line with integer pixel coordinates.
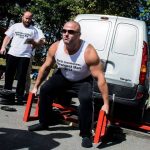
{"type": "Point", "coordinates": [73, 67]}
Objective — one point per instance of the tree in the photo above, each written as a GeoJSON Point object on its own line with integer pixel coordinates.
{"type": "Point", "coordinates": [50, 15]}
{"type": "Point", "coordinates": [145, 12]}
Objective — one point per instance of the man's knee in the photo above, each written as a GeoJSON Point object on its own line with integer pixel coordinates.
{"type": "Point", "coordinates": [85, 93]}
{"type": "Point", "coordinates": [47, 89]}
{"type": "Point", "coordinates": [44, 89]}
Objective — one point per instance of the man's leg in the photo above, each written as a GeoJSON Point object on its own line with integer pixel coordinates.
{"type": "Point", "coordinates": [11, 65]}
{"type": "Point", "coordinates": [21, 75]}
{"type": "Point", "coordinates": [28, 79]}
{"type": "Point", "coordinates": [86, 112]}
{"type": "Point", "coordinates": [48, 92]}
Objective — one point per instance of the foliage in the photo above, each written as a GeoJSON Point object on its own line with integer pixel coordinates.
{"type": "Point", "coordinates": [145, 12]}
{"type": "Point", "coordinates": [50, 15]}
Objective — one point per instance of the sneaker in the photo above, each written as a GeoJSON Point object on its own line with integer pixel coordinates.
{"type": "Point", "coordinates": [87, 142]}
{"type": "Point", "coordinates": [19, 100]}
{"type": "Point", "coordinates": [26, 97]}
{"type": "Point", "coordinates": [38, 127]}
{"type": "Point", "coordinates": [21, 103]}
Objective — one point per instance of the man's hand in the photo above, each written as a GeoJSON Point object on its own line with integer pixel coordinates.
{"type": "Point", "coordinates": [3, 51]}
{"type": "Point", "coordinates": [105, 108]}
{"type": "Point", "coordinates": [42, 41]}
{"type": "Point", "coordinates": [29, 41]}
{"type": "Point", "coordinates": [34, 90]}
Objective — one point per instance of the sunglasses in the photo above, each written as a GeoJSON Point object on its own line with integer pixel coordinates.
{"type": "Point", "coordinates": [69, 31]}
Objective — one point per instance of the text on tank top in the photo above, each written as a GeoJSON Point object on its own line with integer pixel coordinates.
{"type": "Point", "coordinates": [73, 67]}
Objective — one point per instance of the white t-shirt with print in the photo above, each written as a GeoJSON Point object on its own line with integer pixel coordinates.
{"type": "Point", "coordinates": [19, 34]}
{"type": "Point", "coordinates": [39, 36]}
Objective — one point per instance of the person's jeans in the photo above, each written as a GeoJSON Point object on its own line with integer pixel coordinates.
{"type": "Point", "coordinates": [16, 66]}
{"type": "Point", "coordinates": [57, 85]}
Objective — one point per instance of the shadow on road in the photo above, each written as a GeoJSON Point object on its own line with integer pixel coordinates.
{"type": "Point", "coordinates": [114, 136]}
{"type": "Point", "coordinates": [18, 139]}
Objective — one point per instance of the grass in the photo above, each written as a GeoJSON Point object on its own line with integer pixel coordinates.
{"type": "Point", "coordinates": [2, 61]}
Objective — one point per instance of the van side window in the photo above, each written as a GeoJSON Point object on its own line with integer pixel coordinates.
{"type": "Point", "coordinates": [125, 41]}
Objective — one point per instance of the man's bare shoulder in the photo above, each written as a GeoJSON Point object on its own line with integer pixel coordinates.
{"type": "Point", "coordinates": [52, 49]}
{"type": "Point", "coordinates": [54, 45]}
{"type": "Point", "coordinates": [91, 56]}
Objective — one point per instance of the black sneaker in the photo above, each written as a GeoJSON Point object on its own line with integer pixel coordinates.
{"type": "Point", "coordinates": [38, 127]}
{"type": "Point", "coordinates": [87, 142]}
{"type": "Point", "coordinates": [26, 97]}
{"type": "Point", "coordinates": [20, 100]}
{"type": "Point", "coordinates": [21, 103]}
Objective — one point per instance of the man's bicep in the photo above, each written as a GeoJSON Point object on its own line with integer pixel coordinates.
{"type": "Point", "coordinates": [50, 59]}
{"type": "Point", "coordinates": [10, 31]}
{"type": "Point", "coordinates": [96, 70]}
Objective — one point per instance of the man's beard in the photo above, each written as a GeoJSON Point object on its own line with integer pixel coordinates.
{"type": "Point", "coordinates": [26, 24]}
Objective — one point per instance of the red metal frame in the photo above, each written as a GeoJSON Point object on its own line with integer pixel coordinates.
{"type": "Point", "coordinates": [143, 126]}
{"type": "Point", "coordinates": [64, 110]}
{"type": "Point", "coordinates": [101, 127]}
{"type": "Point", "coordinates": [27, 116]}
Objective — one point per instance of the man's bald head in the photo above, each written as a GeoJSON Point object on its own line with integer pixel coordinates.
{"type": "Point", "coordinates": [28, 14]}
{"type": "Point", "coordinates": [73, 24]}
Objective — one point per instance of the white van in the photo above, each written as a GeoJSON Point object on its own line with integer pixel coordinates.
{"type": "Point", "coordinates": [122, 45]}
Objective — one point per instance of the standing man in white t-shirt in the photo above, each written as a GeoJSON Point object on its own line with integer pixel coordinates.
{"type": "Point", "coordinates": [23, 37]}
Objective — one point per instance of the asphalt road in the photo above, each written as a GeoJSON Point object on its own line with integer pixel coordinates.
{"type": "Point", "coordinates": [14, 135]}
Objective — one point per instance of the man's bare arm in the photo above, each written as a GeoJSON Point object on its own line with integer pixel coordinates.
{"type": "Point", "coordinates": [93, 61]}
{"type": "Point", "coordinates": [45, 68]}
{"type": "Point", "coordinates": [4, 45]}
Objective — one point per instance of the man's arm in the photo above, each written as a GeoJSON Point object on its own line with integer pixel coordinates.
{"type": "Point", "coordinates": [93, 61]}
{"type": "Point", "coordinates": [5, 43]}
{"type": "Point", "coordinates": [40, 38]}
{"type": "Point", "coordinates": [41, 42]}
{"type": "Point", "coordinates": [45, 68]}
{"type": "Point", "coordinates": [35, 44]}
